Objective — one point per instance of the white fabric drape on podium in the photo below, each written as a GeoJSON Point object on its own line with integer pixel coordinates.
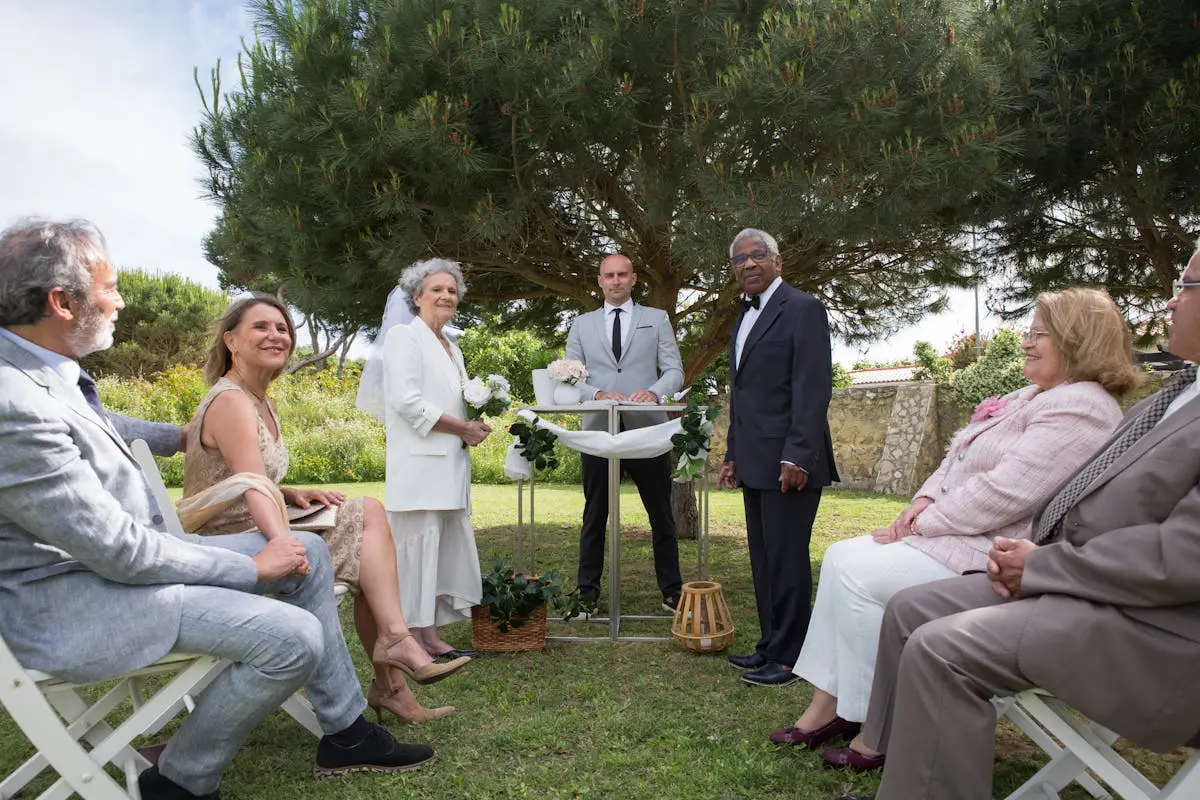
{"type": "Point", "coordinates": [637, 443]}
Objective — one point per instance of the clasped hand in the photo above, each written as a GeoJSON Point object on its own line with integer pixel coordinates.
{"type": "Point", "coordinates": [1006, 565]}
{"type": "Point", "coordinates": [903, 526]}
{"type": "Point", "coordinates": [475, 431]}
{"type": "Point", "coordinates": [640, 396]}
{"type": "Point", "coordinates": [284, 555]}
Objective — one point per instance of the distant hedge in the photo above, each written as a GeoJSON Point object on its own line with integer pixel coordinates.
{"type": "Point", "coordinates": [329, 440]}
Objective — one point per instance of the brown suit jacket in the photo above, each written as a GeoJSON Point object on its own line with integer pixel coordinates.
{"type": "Point", "coordinates": [1117, 633]}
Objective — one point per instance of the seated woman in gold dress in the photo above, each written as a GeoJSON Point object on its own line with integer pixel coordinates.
{"type": "Point", "coordinates": [236, 430]}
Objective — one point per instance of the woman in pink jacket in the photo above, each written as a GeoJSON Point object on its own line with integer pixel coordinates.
{"type": "Point", "coordinates": [999, 469]}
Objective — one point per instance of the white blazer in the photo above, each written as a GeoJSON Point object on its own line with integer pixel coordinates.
{"type": "Point", "coordinates": [426, 470]}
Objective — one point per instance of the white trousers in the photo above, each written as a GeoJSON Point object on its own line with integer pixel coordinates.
{"type": "Point", "coordinates": [858, 577]}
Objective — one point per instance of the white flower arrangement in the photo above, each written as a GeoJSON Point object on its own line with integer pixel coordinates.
{"type": "Point", "coordinates": [487, 396]}
{"type": "Point", "coordinates": [567, 370]}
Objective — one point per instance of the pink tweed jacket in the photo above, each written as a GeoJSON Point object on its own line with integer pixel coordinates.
{"type": "Point", "coordinates": [999, 470]}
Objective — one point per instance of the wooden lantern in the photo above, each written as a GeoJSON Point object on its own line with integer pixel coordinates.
{"type": "Point", "coordinates": [702, 623]}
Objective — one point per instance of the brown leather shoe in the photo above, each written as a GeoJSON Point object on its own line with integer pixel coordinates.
{"type": "Point", "coordinates": [846, 757]}
{"type": "Point", "coordinates": [815, 738]}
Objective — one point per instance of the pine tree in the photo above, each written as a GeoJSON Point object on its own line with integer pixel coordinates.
{"type": "Point", "coordinates": [527, 140]}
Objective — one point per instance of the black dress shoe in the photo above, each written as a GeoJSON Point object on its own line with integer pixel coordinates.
{"type": "Point", "coordinates": [450, 655]}
{"type": "Point", "coordinates": [770, 674]}
{"type": "Point", "coordinates": [378, 752]}
{"type": "Point", "coordinates": [154, 786]}
{"type": "Point", "coordinates": [748, 661]}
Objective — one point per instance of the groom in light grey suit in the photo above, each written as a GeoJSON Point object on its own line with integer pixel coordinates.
{"type": "Point", "coordinates": [630, 354]}
{"type": "Point", "coordinates": [92, 584]}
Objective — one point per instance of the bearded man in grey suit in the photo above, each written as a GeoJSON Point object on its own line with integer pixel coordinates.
{"type": "Point", "coordinates": [1101, 607]}
{"type": "Point", "coordinates": [93, 584]}
{"type": "Point", "coordinates": [630, 354]}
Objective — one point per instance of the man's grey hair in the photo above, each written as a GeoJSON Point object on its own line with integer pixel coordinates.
{"type": "Point", "coordinates": [767, 240]}
{"type": "Point", "coordinates": [39, 255]}
{"type": "Point", "coordinates": [412, 280]}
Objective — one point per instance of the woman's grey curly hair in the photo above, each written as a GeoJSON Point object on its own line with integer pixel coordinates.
{"type": "Point", "coordinates": [412, 280]}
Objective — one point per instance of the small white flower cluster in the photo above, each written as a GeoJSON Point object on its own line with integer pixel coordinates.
{"type": "Point", "coordinates": [567, 370]}
{"type": "Point", "coordinates": [488, 395]}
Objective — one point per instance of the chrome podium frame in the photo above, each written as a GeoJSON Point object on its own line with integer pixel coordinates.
{"type": "Point", "coordinates": [614, 617]}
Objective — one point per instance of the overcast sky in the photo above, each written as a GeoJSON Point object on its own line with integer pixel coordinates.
{"type": "Point", "coordinates": [98, 105]}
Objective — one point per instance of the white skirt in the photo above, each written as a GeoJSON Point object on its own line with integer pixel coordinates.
{"type": "Point", "coordinates": [437, 564]}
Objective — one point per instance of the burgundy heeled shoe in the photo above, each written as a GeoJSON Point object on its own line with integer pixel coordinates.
{"type": "Point", "coordinates": [847, 757]}
{"type": "Point", "coordinates": [815, 738]}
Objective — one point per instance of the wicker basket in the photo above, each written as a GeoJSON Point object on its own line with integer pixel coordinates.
{"type": "Point", "coordinates": [487, 638]}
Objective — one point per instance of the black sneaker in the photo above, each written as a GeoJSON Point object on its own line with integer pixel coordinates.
{"type": "Point", "coordinates": [670, 603]}
{"type": "Point", "coordinates": [154, 786]}
{"type": "Point", "coordinates": [379, 752]}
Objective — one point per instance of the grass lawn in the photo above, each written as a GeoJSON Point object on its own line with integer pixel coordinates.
{"type": "Point", "coordinates": [598, 720]}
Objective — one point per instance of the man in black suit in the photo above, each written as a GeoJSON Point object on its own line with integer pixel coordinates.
{"type": "Point", "coordinates": [778, 449]}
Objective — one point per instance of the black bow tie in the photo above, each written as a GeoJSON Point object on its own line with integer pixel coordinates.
{"type": "Point", "coordinates": [750, 302]}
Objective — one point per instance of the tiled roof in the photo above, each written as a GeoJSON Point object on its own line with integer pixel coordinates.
{"type": "Point", "coordinates": [860, 377]}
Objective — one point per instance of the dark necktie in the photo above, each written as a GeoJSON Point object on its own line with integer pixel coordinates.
{"type": "Point", "coordinates": [88, 387]}
{"type": "Point", "coordinates": [617, 334]}
{"type": "Point", "coordinates": [750, 302]}
{"type": "Point", "coordinates": [1050, 524]}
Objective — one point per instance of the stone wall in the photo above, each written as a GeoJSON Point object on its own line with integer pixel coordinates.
{"type": "Point", "coordinates": [858, 423]}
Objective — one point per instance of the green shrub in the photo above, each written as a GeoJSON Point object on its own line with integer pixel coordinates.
{"type": "Point", "coordinates": [514, 354]}
{"type": "Point", "coordinates": [997, 372]}
{"type": "Point", "coordinates": [329, 440]}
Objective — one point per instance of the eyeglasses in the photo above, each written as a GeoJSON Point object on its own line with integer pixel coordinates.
{"type": "Point", "coordinates": [739, 261]}
{"type": "Point", "coordinates": [1030, 337]}
{"type": "Point", "coordinates": [1181, 284]}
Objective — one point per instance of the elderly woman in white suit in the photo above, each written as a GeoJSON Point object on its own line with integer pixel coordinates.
{"type": "Point", "coordinates": [428, 496]}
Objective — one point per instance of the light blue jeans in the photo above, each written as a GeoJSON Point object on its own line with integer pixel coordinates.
{"type": "Point", "coordinates": [276, 645]}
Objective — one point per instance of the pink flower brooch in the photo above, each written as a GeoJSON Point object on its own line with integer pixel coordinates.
{"type": "Point", "coordinates": [988, 407]}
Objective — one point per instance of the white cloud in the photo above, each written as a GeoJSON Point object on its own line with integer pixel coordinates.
{"type": "Point", "coordinates": [99, 104]}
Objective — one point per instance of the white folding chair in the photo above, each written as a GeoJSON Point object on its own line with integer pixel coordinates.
{"type": "Point", "coordinates": [1076, 745]}
{"type": "Point", "coordinates": [56, 718]}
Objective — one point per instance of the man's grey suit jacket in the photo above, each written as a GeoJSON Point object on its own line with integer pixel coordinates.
{"type": "Point", "coordinates": [1116, 632]}
{"type": "Point", "coordinates": [89, 578]}
{"type": "Point", "coordinates": [649, 360]}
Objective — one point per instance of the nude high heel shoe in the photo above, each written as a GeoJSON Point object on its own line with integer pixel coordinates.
{"type": "Point", "coordinates": [377, 700]}
{"type": "Point", "coordinates": [430, 673]}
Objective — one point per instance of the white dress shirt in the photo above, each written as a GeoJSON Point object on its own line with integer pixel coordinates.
{"type": "Point", "coordinates": [67, 368]}
{"type": "Point", "coordinates": [626, 323]}
{"type": "Point", "coordinates": [751, 317]}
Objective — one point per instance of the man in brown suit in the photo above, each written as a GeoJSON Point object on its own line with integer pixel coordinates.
{"type": "Point", "coordinates": [1101, 608]}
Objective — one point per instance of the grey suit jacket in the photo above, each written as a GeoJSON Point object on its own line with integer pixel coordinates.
{"type": "Point", "coordinates": [649, 360]}
{"type": "Point", "coordinates": [162, 437]}
{"type": "Point", "coordinates": [89, 578]}
{"type": "Point", "coordinates": [1117, 631]}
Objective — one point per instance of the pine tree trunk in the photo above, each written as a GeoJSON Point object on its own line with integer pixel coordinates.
{"type": "Point", "coordinates": [683, 507]}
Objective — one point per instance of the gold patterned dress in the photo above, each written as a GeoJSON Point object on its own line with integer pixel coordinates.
{"type": "Point", "coordinates": [204, 467]}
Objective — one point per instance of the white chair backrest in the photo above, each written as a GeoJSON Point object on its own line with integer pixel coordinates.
{"type": "Point", "coordinates": [145, 460]}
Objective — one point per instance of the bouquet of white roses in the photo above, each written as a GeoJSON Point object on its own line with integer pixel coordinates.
{"type": "Point", "coordinates": [567, 370]}
{"type": "Point", "coordinates": [487, 396]}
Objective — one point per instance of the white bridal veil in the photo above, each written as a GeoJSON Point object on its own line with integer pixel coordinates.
{"type": "Point", "coordinates": [370, 386]}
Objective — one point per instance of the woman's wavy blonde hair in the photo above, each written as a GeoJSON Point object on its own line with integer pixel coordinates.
{"type": "Point", "coordinates": [1091, 336]}
{"type": "Point", "coordinates": [219, 359]}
